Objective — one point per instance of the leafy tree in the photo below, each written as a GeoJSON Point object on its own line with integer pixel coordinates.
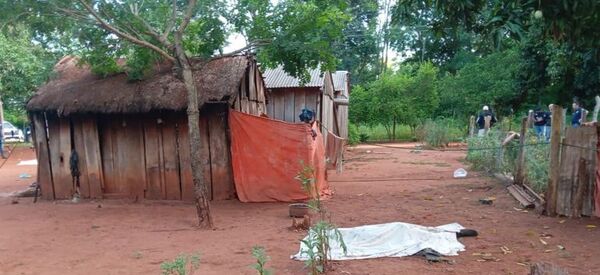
{"type": "Point", "coordinates": [297, 34]}
{"type": "Point", "coordinates": [561, 38]}
{"type": "Point", "coordinates": [358, 51]}
{"type": "Point", "coordinates": [23, 67]}
{"type": "Point", "coordinates": [408, 97]}
{"type": "Point", "coordinates": [490, 80]}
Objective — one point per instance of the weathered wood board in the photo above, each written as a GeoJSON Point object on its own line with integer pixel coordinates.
{"type": "Point", "coordinates": [289, 105]}
{"type": "Point", "coordinates": [152, 143]}
{"type": "Point", "coordinates": [44, 175]}
{"type": "Point", "coordinates": [220, 158]}
{"type": "Point", "coordinates": [170, 159]}
{"type": "Point", "coordinates": [59, 141]}
{"type": "Point", "coordinates": [578, 149]}
{"type": "Point", "coordinates": [299, 103]}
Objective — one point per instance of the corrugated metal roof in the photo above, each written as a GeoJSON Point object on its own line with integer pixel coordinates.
{"type": "Point", "coordinates": [340, 81]}
{"type": "Point", "coordinates": [278, 78]}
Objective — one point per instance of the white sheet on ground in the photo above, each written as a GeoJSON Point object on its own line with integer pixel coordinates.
{"type": "Point", "coordinates": [27, 162]}
{"type": "Point", "coordinates": [395, 239]}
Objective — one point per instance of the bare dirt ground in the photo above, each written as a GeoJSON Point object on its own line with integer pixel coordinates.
{"type": "Point", "coordinates": [379, 184]}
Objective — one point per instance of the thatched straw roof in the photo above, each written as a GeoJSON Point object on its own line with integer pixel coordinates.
{"type": "Point", "coordinates": [77, 90]}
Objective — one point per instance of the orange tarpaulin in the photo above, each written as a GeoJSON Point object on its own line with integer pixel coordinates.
{"type": "Point", "coordinates": [266, 157]}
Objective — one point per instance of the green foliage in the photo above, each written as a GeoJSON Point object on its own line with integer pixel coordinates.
{"type": "Point", "coordinates": [318, 243]}
{"type": "Point", "coordinates": [358, 50]}
{"type": "Point", "coordinates": [353, 134]}
{"type": "Point", "coordinates": [378, 133]}
{"type": "Point", "coordinates": [484, 154]}
{"type": "Point", "coordinates": [182, 265]}
{"type": "Point", "coordinates": [23, 67]}
{"type": "Point", "coordinates": [258, 252]}
{"type": "Point", "coordinates": [440, 132]}
{"type": "Point", "coordinates": [491, 80]}
{"type": "Point", "coordinates": [405, 97]}
{"type": "Point", "coordinates": [318, 246]}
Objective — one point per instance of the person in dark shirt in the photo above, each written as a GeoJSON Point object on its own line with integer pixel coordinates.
{"type": "Point", "coordinates": [481, 120]}
{"type": "Point", "coordinates": [548, 125]}
{"type": "Point", "coordinates": [577, 115]}
{"type": "Point", "coordinates": [539, 122]}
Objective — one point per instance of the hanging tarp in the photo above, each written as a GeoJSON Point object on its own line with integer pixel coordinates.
{"type": "Point", "coordinates": [267, 155]}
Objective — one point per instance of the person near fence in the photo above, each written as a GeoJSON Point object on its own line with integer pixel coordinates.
{"type": "Point", "coordinates": [481, 120]}
{"type": "Point", "coordinates": [539, 122]}
{"type": "Point", "coordinates": [577, 115]}
{"type": "Point", "coordinates": [548, 124]}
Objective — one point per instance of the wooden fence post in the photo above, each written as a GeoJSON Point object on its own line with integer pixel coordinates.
{"type": "Point", "coordinates": [471, 126]}
{"type": "Point", "coordinates": [554, 168]}
{"type": "Point", "coordinates": [520, 169]}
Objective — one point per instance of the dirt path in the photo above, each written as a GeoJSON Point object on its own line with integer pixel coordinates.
{"type": "Point", "coordinates": [124, 238]}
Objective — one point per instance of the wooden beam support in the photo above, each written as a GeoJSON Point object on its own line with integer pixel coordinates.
{"type": "Point", "coordinates": [553, 170]}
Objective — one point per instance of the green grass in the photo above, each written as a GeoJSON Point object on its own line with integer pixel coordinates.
{"type": "Point", "coordinates": [378, 133]}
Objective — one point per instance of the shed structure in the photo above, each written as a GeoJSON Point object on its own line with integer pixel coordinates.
{"type": "Point", "coordinates": [132, 137]}
{"type": "Point", "coordinates": [288, 96]}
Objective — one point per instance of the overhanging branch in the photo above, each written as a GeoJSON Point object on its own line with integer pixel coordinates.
{"type": "Point", "coordinates": [123, 34]}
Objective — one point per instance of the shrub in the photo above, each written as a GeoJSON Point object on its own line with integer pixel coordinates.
{"type": "Point", "coordinates": [438, 133]}
{"type": "Point", "coordinates": [353, 134]}
{"type": "Point", "coordinates": [484, 154]}
{"type": "Point", "coordinates": [182, 265]}
{"type": "Point", "coordinates": [261, 257]}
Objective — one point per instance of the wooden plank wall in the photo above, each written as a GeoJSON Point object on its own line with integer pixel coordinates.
{"type": "Point", "coordinates": [220, 155]}
{"type": "Point", "coordinates": [44, 171]}
{"type": "Point", "coordinates": [123, 156]}
{"type": "Point", "coordinates": [286, 104]}
{"type": "Point", "coordinates": [183, 143]}
{"type": "Point", "coordinates": [87, 145]}
{"type": "Point", "coordinates": [59, 143]}
{"type": "Point", "coordinates": [251, 98]}
{"type": "Point", "coordinates": [343, 121]}
{"type": "Point", "coordinates": [576, 184]}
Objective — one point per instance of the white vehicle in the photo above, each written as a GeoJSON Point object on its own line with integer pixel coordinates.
{"type": "Point", "coordinates": [12, 133]}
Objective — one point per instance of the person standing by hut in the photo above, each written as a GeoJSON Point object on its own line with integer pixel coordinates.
{"type": "Point", "coordinates": [481, 120]}
{"type": "Point", "coordinates": [577, 115]}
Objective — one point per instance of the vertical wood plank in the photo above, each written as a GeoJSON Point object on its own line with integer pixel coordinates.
{"type": "Point", "coordinates": [152, 147]}
{"type": "Point", "coordinates": [220, 158]}
{"type": "Point", "coordinates": [311, 99]}
{"type": "Point", "coordinates": [270, 109]}
{"type": "Point", "coordinates": [59, 133]}
{"type": "Point", "coordinates": [252, 83]}
{"type": "Point", "coordinates": [79, 143]}
{"type": "Point", "coordinates": [185, 161]}
{"type": "Point", "coordinates": [260, 85]}
{"type": "Point", "coordinates": [44, 175]}
{"type": "Point", "coordinates": [93, 159]}
{"type": "Point", "coordinates": [290, 115]}
{"type": "Point", "coordinates": [554, 167]}
{"type": "Point", "coordinates": [170, 159]}
{"type": "Point", "coordinates": [108, 159]}
{"type": "Point", "coordinates": [299, 102]}
{"type": "Point", "coordinates": [130, 157]}
{"type": "Point", "coordinates": [278, 105]}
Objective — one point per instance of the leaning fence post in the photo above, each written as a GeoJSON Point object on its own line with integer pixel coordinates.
{"type": "Point", "coordinates": [520, 173]}
{"type": "Point", "coordinates": [553, 169]}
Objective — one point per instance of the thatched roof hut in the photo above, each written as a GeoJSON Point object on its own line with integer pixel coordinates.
{"type": "Point", "coordinates": [131, 136]}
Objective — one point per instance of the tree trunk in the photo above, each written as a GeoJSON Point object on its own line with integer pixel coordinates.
{"type": "Point", "coordinates": [394, 130]}
{"type": "Point", "coordinates": [193, 116]}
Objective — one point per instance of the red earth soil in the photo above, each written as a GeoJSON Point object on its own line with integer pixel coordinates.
{"type": "Point", "coordinates": [378, 185]}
